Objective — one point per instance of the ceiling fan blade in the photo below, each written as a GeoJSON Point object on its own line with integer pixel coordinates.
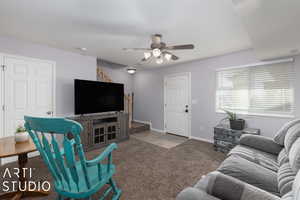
{"type": "Point", "coordinates": [180, 47]}
{"type": "Point", "coordinates": [145, 60]}
{"type": "Point", "coordinates": [136, 49]}
{"type": "Point", "coordinates": [174, 57]}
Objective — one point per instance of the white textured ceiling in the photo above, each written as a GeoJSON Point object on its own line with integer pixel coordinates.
{"type": "Point", "coordinates": [273, 26]}
{"type": "Point", "coordinates": [105, 27]}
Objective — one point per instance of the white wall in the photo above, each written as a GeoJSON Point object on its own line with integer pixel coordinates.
{"type": "Point", "coordinates": [118, 74]}
{"type": "Point", "coordinates": [148, 85]}
{"type": "Point", "coordinates": [69, 66]}
{"type": "Point", "coordinates": [148, 90]}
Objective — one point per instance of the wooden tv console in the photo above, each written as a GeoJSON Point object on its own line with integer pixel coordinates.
{"type": "Point", "coordinates": [99, 130]}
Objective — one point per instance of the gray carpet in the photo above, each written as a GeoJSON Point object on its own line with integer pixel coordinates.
{"type": "Point", "coordinates": [146, 171]}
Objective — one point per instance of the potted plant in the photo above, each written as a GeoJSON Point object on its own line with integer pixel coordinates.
{"type": "Point", "coordinates": [21, 135]}
{"type": "Point", "coordinates": [235, 123]}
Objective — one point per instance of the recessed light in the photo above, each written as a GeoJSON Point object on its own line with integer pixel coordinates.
{"type": "Point", "coordinates": [82, 48]}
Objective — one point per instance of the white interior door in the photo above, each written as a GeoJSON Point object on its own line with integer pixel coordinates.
{"type": "Point", "coordinates": [177, 104]}
{"type": "Point", "coordinates": [1, 97]}
{"type": "Point", "coordinates": [29, 90]}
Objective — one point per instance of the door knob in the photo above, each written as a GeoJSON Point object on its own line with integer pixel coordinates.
{"type": "Point", "coordinates": [186, 110]}
{"type": "Point", "coordinates": [49, 113]}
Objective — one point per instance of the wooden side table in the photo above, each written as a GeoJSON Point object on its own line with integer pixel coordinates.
{"type": "Point", "coordinates": [8, 148]}
{"type": "Point", "coordinates": [225, 138]}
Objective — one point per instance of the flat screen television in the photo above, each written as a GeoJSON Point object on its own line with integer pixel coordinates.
{"type": "Point", "coordinates": [96, 97]}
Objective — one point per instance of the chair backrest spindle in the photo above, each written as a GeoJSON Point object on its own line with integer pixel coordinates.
{"type": "Point", "coordinates": [61, 160]}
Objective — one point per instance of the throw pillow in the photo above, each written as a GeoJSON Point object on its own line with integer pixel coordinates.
{"type": "Point", "coordinates": [280, 135]}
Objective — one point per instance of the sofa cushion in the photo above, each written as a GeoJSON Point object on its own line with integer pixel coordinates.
{"type": "Point", "coordinates": [264, 159]}
{"type": "Point", "coordinates": [250, 173]}
{"type": "Point", "coordinates": [294, 156]}
{"type": "Point", "coordinates": [292, 135]}
{"type": "Point", "coordinates": [280, 135]}
{"type": "Point", "coordinates": [285, 178]}
{"type": "Point", "coordinates": [261, 143]}
{"type": "Point", "coordinates": [282, 157]}
{"type": "Point", "coordinates": [202, 184]}
{"type": "Point", "coordinates": [288, 196]}
{"type": "Point", "coordinates": [194, 194]}
{"type": "Point", "coordinates": [296, 187]}
{"type": "Point", "coordinates": [228, 188]}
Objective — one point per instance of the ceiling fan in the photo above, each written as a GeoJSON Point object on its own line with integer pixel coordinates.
{"type": "Point", "coordinates": [159, 50]}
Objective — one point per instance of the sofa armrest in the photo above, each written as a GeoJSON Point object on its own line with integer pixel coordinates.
{"type": "Point", "coordinates": [228, 188]}
{"type": "Point", "coordinates": [261, 143]}
{"type": "Point", "coordinates": [194, 194]}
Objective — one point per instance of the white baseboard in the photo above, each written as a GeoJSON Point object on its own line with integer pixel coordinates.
{"type": "Point", "coordinates": [141, 121]}
{"type": "Point", "coordinates": [158, 130]}
{"type": "Point", "coordinates": [150, 124]}
{"type": "Point", "coordinates": [202, 139]}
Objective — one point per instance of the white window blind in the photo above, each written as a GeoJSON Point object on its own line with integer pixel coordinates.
{"type": "Point", "coordinates": [264, 89]}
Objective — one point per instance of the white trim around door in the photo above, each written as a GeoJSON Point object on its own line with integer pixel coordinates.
{"type": "Point", "coordinates": [4, 73]}
{"type": "Point", "coordinates": [51, 66]}
{"type": "Point", "coordinates": [189, 94]}
{"type": "Point", "coordinates": [1, 96]}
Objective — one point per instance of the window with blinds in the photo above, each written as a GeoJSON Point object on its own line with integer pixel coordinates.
{"type": "Point", "coordinates": [263, 89]}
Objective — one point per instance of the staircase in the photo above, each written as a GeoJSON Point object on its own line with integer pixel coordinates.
{"type": "Point", "coordinates": [128, 98]}
{"type": "Point", "coordinates": [137, 127]}
{"type": "Point", "coordinates": [134, 127]}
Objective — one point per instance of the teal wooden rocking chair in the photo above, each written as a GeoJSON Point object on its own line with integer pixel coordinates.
{"type": "Point", "coordinates": [74, 176]}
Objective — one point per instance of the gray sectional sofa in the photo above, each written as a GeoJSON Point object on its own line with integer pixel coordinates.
{"type": "Point", "coordinates": [259, 168]}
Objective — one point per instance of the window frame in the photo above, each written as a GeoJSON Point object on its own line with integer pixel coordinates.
{"type": "Point", "coordinates": [245, 113]}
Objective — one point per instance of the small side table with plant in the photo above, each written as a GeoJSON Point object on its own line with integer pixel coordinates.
{"type": "Point", "coordinates": [235, 123]}
{"type": "Point", "coordinates": [226, 136]}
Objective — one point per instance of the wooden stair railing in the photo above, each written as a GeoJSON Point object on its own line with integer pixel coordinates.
{"type": "Point", "coordinates": [128, 98]}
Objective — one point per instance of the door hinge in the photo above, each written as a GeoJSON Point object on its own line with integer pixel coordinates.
{"type": "Point", "coordinates": [3, 107]}
{"type": "Point", "coordinates": [3, 67]}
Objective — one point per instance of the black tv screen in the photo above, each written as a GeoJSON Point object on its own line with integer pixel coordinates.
{"type": "Point", "coordinates": [96, 97]}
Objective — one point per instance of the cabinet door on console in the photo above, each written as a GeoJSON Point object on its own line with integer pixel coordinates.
{"type": "Point", "coordinates": [99, 135]}
{"type": "Point", "coordinates": [112, 131]}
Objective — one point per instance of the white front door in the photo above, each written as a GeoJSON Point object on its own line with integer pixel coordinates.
{"type": "Point", "coordinates": [29, 90]}
{"type": "Point", "coordinates": [177, 104]}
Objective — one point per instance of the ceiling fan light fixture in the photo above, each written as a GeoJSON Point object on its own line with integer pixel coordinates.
{"type": "Point", "coordinates": [131, 70]}
{"type": "Point", "coordinates": [147, 55]}
{"type": "Point", "coordinates": [159, 60]}
{"type": "Point", "coordinates": [156, 52]}
{"type": "Point", "coordinates": [168, 56]}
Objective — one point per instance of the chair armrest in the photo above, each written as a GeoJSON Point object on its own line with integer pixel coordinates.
{"type": "Point", "coordinates": [194, 194]}
{"type": "Point", "coordinates": [103, 155]}
{"type": "Point", "coordinates": [261, 143]}
{"type": "Point", "coordinates": [226, 188]}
